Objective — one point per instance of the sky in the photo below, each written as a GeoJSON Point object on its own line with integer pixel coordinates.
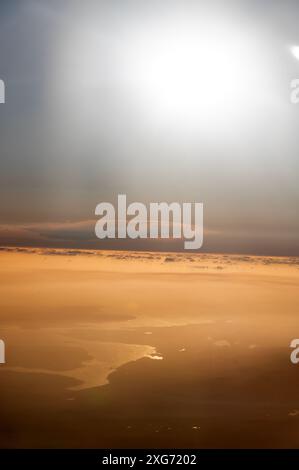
{"type": "Point", "coordinates": [176, 101]}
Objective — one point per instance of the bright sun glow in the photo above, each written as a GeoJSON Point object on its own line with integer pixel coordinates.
{"type": "Point", "coordinates": [176, 73]}
{"type": "Point", "coordinates": [206, 75]}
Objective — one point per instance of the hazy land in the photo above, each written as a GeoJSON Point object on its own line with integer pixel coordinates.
{"type": "Point", "coordinates": [128, 349]}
